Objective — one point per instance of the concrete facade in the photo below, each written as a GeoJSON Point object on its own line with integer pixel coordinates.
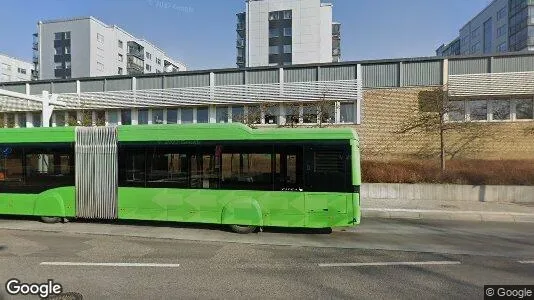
{"type": "Point", "coordinates": [309, 41]}
{"type": "Point", "coordinates": [13, 69]}
{"type": "Point", "coordinates": [90, 48]}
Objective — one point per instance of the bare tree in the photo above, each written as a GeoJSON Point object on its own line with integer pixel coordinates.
{"type": "Point", "coordinates": [431, 117]}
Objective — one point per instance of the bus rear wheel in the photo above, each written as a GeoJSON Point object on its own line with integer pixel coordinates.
{"type": "Point", "coordinates": [243, 229]}
{"type": "Point", "coordinates": [51, 220]}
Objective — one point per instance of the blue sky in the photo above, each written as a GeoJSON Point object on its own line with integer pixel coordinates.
{"type": "Point", "coordinates": [201, 33]}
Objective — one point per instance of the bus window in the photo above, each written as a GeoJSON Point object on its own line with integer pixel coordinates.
{"type": "Point", "coordinates": [204, 174]}
{"type": "Point", "coordinates": [328, 169]}
{"type": "Point", "coordinates": [132, 167]}
{"type": "Point", "coordinates": [248, 169]}
{"type": "Point", "coordinates": [168, 168]}
{"type": "Point", "coordinates": [11, 166]}
{"type": "Point", "coordinates": [288, 172]}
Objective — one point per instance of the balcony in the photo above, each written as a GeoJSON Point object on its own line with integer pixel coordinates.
{"type": "Point", "coordinates": [134, 49]}
{"type": "Point", "coordinates": [240, 27]}
{"type": "Point", "coordinates": [240, 59]}
{"type": "Point", "coordinates": [240, 43]}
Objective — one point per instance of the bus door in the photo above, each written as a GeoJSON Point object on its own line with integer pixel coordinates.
{"type": "Point", "coordinates": [327, 183]}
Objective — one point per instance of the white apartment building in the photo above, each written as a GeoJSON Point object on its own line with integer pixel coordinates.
{"type": "Point", "coordinates": [285, 32]}
{"type": "Point", "coordinates": [86, 47]}
{"type": "Point", "coordinates": [13, 69]}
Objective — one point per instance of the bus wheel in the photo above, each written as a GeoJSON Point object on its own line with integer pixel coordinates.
{"type": "Point", "coordinates": [50, 220]}
{"type": "Point", "coordinates": [242, 229]}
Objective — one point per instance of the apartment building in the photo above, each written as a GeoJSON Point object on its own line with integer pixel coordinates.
{"type": "Point", "coordinates": [87, 47]}
{"type": "Point", "coordinates": [276, 32]}
{"type": "Point", "coordinates": [13, 69]}
{"type": "Point", "coordinates": [503, 26]}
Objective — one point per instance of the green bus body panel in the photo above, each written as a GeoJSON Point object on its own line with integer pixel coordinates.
{"type": "Point", "coordinates": [244, 207]}
{"type": "Point", "coordinates": [37, 135]}
{"type": "Point", "coordinates": [228, 132]}
{"type": "Point", "coordinates": [58, 202]}
{"type": "Point", "coordinates": [261, 208]}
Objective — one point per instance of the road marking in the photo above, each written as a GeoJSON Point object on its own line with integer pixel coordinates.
{"type": "Point", "coordinates": [64, 263]}
{"type": "Point", "coordinates": [399, 263]}
{"type": "Point", "coordinates": [526, 261]}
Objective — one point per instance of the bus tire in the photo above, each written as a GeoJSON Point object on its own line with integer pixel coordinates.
{"type": "Point", "coordinates": [243, 229]}
{"type": "Point", "coordinates": [51, 220]}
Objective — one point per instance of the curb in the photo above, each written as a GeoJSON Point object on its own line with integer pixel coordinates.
{"type": "Point", "coordinates": [421, 214]}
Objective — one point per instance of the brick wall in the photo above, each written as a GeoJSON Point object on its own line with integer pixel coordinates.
{"type": "Point", "coordinates": [385, 111]}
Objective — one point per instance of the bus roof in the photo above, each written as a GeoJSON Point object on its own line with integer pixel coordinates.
{"type": "Point", "coordinates": [181, 132]}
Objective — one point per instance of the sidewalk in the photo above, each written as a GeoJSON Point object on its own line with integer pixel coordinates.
{"type": "Point", "coordinates": [454, 210]}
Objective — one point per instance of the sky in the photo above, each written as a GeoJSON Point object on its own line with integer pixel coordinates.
{"type": "Point", "coordinates": [201, 33]}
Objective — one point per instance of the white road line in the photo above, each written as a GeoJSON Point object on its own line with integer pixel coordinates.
{"type": "Point", "coordinates": [64, 263]}
{"type": "Point", "coordinates": [399, 263]}
{"type": "Point", "coordinates": [526, 261]}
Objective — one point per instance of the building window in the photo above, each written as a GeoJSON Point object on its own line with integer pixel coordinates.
{"type": "Point", "coordinates": [157, 116]}
{"type": "Point", "coordinates": [501, 14]}
{"type": "Point", "coordinates": [502, 47]}
{"type": "Point", "coordinates": [221, 113]}
{"type": "Point", "coordinates": [287, 14]}
{"type": "Point", "coordinates": [500, 110]}
{"type": "Point", "coordinates": [158, 61]}
{"type": "Point", "coordinates": [202, 115]}
{"type": "Point", "coordinates": [21, 71]}
{"type": "Point", "coordinates": [274, 15]}
{"type": "Point", "coordinates": [120, 57]}
{"type": "Point", "coordinates": [60, 118]}
{"type": "Point", "coordinates": [67, 35]}
{"type": "Point", "coordinates": [67, 49]}
{"type": "Point", "coordinates": [58, 65]}
{"type": "Point", "coordinates": [36, 120]}
{"type": "Point", "coordinates": [475, 48]}
{"type": "Point", "coordinates": [523, 109]}
{"type": "Point", "coordinates": [120, 44]}
{"type": "Point", "coordinates": [148, 55]}
{"type": "Point", "coordinates": [100, 66]}
{"type": "Point", "coordinates": [142, 116]}
{"type": "Point", "coordinates": [456, 111]}
{"type": "Point", "coordinates": [271, 114]}
{"type": "Point", "coordinates": [488, 35]}
{"type": "Point", "coordinates": [287, 49]}
{"type": "Point", "coordinates": [58, 50]}
{"type": "Point", "coordinates": [187, 115]}
{"type": "Point", "coordinates": [172, 116]}
{"type": "Point", "coordinates": [274, 32]}
{"type": "Point", "coordinates": [474, 33]}
{"type": "Point", "coordinates": [274, 49]}
{"type": "Point", "coordinates": [99, 37]}
{"type": "Point", "coordinates": [58, 36]}
{"type": "Point", "coordinates": [309, 113]}
{"type": "Point", "coordinates": [119, 71]}
{"type": "Point", "coordinates": [478, 110]}
{"type": "Point", "coordinates": [67, 65]}
{"type": "Point", "coordinates": [501, 31]}
{"type": "Point", "coordinates": [288, 31]}
{"type": "Point", "coordinates": [238, 114]}
{"type": "Point", "coordinates": [113, 117]}
{"type": "Point", "coordinates": [148, 67]}
{"type": "Point", "coordinates": [347, 112]}
{"type": "Point", "coordinates": [126, 117]}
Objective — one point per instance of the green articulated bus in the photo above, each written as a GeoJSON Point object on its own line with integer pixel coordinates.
{"type": "Point", "coordinates": [196, 173]}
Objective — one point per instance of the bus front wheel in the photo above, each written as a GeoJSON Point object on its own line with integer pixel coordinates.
{"type": "Point", "coordinates": [242, 229]}
{"type": "Point", "coordinates": [51, 220]}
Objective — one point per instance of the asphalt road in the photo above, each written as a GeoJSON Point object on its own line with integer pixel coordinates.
{"type": "Point", "coordinates": [382, 259]}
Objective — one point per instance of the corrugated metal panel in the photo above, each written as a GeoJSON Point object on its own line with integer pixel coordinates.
{"type": "Point", "coordinates": [513, 64]}
{"type": "Point", "coordinates": [421, 73]}
{"type": "Point", "coordinates": [300, 74]}
{"type": "Point", "coordinates": [64, 87]}
{"type": "Point", "coordinates": [92, 86]}
{"type": "Point", "coordinates": [19, 88]}
{"type": "Point", "coordinates": [468, 66]}
{"type": "Point", "coordinates": [380, 75]}
{"type": "Point", "coordinates": [149, 83]}
{"type": "Point", "coordinates": [338, 73]}
{"type": "Point", "coordinates": [121, 84]}
{"type": "Point", "coordinates": [491, 84]}
{"type": "Point", "coordinates": [193, 80]}
{"type": "Point", "coordinates": [230, 78]}
{"type": "Point", "coordinates": [38, 88]}
{"type": "Point", "coordinates": [263, 76]}
{"type": "Point", "coordinates": [96, 172]}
